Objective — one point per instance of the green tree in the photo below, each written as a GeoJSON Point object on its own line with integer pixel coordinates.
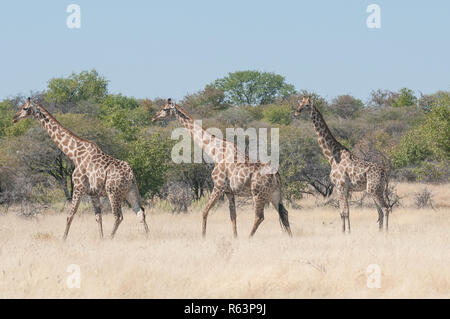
{"type": "Point", "coordinates": [346, 106]}
{"type": "Point", "coordinates": [149, 156]}
{"type": "Point", "coordinates": [207, 100]}
{"type": "Point", "coordinates": [65, 93]}
{"type": "Point", "coordinates": [426, 143]}
{"type": "Point", "coordinates": [405, 97]}
{"type": "Point", "coordinates": [278, 114]}
{"type": "Point", "coordinates": [125, 114]}
{"type": "Point", "coordinates": [253, 87]}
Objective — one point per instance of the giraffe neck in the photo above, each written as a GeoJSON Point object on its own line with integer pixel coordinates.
{"type": "Point", "coordinates": [210, 144]}
{"type": "Point", "coordinates": [66, 141]}
{"type": "Point", "coordinates": [326, 140]}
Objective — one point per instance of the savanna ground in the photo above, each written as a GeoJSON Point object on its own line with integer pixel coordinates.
{"type": "Point", "coordinates": [175, 262]}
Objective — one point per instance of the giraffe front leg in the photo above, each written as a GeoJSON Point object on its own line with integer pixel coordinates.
{"type": "Point", "coordinates": [212, 200]}
{"type": "Point", "coordinates": [232, 205]}
{"type": "Point", "coordinates": [76, 198]}
{"type": "Point", "coordinates": [98, 214]}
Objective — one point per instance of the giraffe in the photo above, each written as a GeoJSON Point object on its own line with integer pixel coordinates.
{"type": "Point", "coordinates": [348, 172]}
{"type": "Point", "coordinates": [96, 174]}
{"type": "Point", "coordinates": [230, 176]}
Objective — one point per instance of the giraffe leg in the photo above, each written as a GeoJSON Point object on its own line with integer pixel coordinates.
{"type": "Point", "coordinates": [348, 221]}
{"type": "Point", "coordinates": [380, 215]}
{"type": "Point", "coordinates": [98, 214]}
{"type": "Point", "coordinates": [387, 219]}
{"type": "Point", "coordinates": [76, 198]}
{"type": "Point", "coordinates": [211, 202]}
{"type": "Point", "coordinates": [259, 215]}
{"type": "Point", "coordinates": [232, 206]}
{"type": "Point", "coordinates": [343, 205]}
{"type": "Point", "coordinates": [382, 208]}
{"type": "Point", "coordinates": [117, 211]}
{"type": "Point", "coordinates": [133, 198]}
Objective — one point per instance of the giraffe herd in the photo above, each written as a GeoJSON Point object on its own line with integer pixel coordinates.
{"type": "Point", "coordinates": [98, 175]}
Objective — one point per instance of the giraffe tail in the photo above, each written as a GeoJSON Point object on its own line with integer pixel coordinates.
{"type": "Point", "coordinates": [277, 203]}
{"type": "Point", "coordinates": [284, 220]}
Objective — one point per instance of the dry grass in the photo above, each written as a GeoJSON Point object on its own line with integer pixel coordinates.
{"type": "Point", "coordinates": [318, 262]}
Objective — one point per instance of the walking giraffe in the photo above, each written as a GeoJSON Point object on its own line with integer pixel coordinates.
{"type": "Point", "coordinates": [96, 173]}
{"type": "Point", "coordinates": [231, 176]}
{"type": "Point", "coordinates": [348, 172]}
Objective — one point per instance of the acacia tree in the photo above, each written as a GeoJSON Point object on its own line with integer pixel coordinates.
{"type": "Point", "coordinates": [253, 87]}
{"type": "Point", "coordinates": [346, 106]}
{"type": "Point", "coordinates": [64, 94]}
{"type": "Point", "coordinates": [381, 98]}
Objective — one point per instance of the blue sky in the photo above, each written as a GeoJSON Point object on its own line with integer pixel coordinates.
{"type": "Point", "coordinates": [172, 48]}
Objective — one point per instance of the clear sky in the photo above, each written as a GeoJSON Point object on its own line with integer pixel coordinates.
{"type": "Point", "coordinates": [172, 48]}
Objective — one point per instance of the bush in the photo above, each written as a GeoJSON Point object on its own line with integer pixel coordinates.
{"type": "Point", "coordinates": [149, 156]}
{"type": "Point", "coordinates": [180, 196]}
{"type": "Point", "coordinates": [428, 141]}
{"type": "Point", "coordinates": [346, 106]}
{"type": "Point", "coordinates": [424, 199]}
{"type": "Point", "coordinates": [206, 101]}
{"type": "Point", "coordinates": [278, 114]}
{"type": "Point", "coordinates": [405, 97]}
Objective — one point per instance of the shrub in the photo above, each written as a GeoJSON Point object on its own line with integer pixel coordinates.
{"type": "Point", "coordinates": [278, 114]}
{"type": "Point", "coordinates": [405, 97]}
{"type": "Point", "coordinates": [346, 106]}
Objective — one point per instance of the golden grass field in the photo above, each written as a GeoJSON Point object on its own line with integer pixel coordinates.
{"type": "Point", "coordinates": [175, 262]}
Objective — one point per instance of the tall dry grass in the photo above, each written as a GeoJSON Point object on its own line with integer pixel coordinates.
{"type": "Point", "coordinates": [175, 262]}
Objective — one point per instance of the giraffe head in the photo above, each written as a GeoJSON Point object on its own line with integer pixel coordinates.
{"type": "Point", "coordinates": [171, 110]}
{"type": "Point", "coordinates": [29, 109]}
{"type": "Point", "coordinates": [166, 112]}
{"type": "Point", "coordinates": [304, 104]}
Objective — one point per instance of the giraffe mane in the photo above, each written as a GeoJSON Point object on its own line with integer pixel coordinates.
{"type": "Point", "coordinates": [327, 128]}
{"type": "Point", "coordinates": [187, 115]}
{"type": "Point", "coordinates": [51, 117]}
{"type": "Point", "coordinates": [183, 111]}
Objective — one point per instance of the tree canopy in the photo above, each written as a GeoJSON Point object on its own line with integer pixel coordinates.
{"type": "Point", "coordinates": [253, 87]}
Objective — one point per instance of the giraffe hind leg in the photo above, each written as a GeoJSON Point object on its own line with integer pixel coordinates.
{"type": "Point", "coordinates": [232, 206]}
{"type": "Point", "coordinates": [133, 198]}
{"type": "Point", "coordinates": [117, 211]}
{"type": "Point", "coordinates": [380, 215]}
{"type": "Point", "coordinates": [259, 215]}
{"type": "Point", "coordinates": [98, 214]}
{"type": "Point", "coordinates": [382, 208]}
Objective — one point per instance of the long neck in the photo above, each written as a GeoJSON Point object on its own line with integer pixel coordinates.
{"type": "Point", "coordinates": [213, 146]}
{"type": "Point", "coordinates": [327, 142]}
{"type": "Point", "coordinates": [63, 138]}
